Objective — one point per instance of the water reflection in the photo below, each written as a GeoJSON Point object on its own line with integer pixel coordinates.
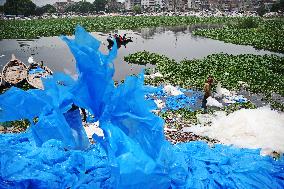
{"type": "Point", "coordinates": [148, 33]}
{"type": "Point", "coordinates": [175, 42]}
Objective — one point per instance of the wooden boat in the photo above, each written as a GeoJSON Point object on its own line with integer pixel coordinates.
{"type": "Point", "coordinates": [35, 73]}
{"type": "Point", "coordinates": [14, 71]}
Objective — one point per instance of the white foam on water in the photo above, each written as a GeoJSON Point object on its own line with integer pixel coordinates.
{"type": "Point", "coordinates": [247, 128]}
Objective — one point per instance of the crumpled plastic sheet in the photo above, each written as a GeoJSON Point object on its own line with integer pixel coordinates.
{"type": "Point", "coordinates": [37, 70]}
{"type": "Point", "coordinates": [189, 99]}
{"type": "Point", "coordinates": [133, 153]}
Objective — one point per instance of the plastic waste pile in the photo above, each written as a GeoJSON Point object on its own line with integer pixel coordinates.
{"type": "Point", "coordinates": [171, 98]}
{"type": "Point", "coordinates": [213, 102]}
{"type": "Point", "coordinates": [246, 128]}
{"type": "Point", "coordinates": [133, 153]}
{"type": "Point", "coordinates": [227, 96]}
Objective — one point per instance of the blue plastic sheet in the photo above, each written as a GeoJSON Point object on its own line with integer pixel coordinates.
{"type": "Point", "coordinates": [37, 70]}
{"type": "Point", "coordinates": [190, 99]}
{"type": "Point", "coordinates": [54, 153]}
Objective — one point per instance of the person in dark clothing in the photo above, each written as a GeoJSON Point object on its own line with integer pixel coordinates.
{"type": "Point", "coordinates": [110, 41]}
{"type": "Point", "coordinates": [116, 37]}
{"type": "Point", "coordinates": [207, 92]}
{"type": "Point", "coordinates": [124, 37]}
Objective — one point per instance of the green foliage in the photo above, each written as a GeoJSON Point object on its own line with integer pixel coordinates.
{"type": "Point", "coordinates": [268, 35]}
{"type": "Point", "coordinates": [263, 74]}
{"type": "Point", "coordinates": [248, 23]}
{"type": "Point", "coordinates": [144, 58]}
{"type": "Point", "coordinates": [20, 124]}
{"type": "Point", "coordinates": [100, 5]}
{"type": "Point", "coordinates": [137, 9]}
{"type": "Point", "coordinates": [81, 7]}
{"type": "Point", "coordinates": [261, 10]}
{"type": "Point", "coordinates": [278, 6]}
{"type": "Point", "coordinates": [19, 7]}
{"type": "Point", "coordinates": [237, 106]}
{"type": "Point", "coordinates": [45, 9]}
{"type": "Point", "coordinates": [28, 29]}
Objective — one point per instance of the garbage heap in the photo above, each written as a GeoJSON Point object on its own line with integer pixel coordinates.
{"type": "Point", "coordinates": [133, 153]}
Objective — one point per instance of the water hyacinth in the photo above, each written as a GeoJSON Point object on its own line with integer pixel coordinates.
{"type": "Point", "coordinates": [30, 29]}
{"type": "Point", "coordinates": [262, 74]}
{"type": "Point", "coordinates": [267, 35]}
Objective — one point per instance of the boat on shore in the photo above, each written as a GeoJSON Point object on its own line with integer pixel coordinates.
{"type": "Point", "coordinates": [35, 73]}
{"type": "Point", "coordinates": [14, 71]}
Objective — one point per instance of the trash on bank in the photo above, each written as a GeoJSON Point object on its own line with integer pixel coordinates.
{"type": "Point", "coordinates": [55, 153]}
{"type": "Point", "coordinates": [246, 128]}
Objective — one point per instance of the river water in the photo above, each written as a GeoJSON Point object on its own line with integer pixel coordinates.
{"type": "Point", "coordinates": [175, 42]}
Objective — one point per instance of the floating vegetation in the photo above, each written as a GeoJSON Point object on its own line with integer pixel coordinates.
{"type": "Point", "coordinates": [261, 74]}
{"type": "Point", "coordinates": [145, 57]}
{"type": "Point", "coordinates": [261, 34]}
{"type": "Point", "coordinates": [29, 29]}
{"type": "Point", "coordinates": [264, 74]}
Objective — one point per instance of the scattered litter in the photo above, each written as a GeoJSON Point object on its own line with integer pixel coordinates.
{"type": "Point", "coordinates": [213, 102]}
{"type": "Point", "coordinates": [160, 104]}
{"type": "Point", "coordinates": [222, 91]}
{"type": "Point", "coordinates": [152, 76]}
{"type": "Point", "coordinates": [55, 153]}
{"type": "Point", "coordinates": [171, 90]}
{"type": "Point", "coordinates": [31, 60]}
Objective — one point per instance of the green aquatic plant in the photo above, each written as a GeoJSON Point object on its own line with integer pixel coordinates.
{"type": "Point", "coordinates": [261, 34]}
{"type": "Point", "coordinates": [262, 74]}
{"type": "Point", "coordinates": [29, 29]}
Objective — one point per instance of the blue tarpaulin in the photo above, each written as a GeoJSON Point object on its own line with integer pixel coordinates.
{"type": "Point", "coordinates": [54, 152]}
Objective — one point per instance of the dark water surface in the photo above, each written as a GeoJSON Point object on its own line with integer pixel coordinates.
{"type": "Point", "coordinates": [176, 42]}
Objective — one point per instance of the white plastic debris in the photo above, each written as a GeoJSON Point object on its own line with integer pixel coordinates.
{"type": "Point", "coordinates": [160, 104]}
{"type": "Point", "coordinates": [171, 90]}
{"type": "Point", "coordinates": [247, 128]}
{"type": "Point", "coordinates": [235, 98]}
{"type": "Point", "coordinates": [31, 60]}
{"type": "Point", "coordinates": [213, 102]}
{"type": "Point", "coordinates": [2, 55]}
{"type": "Point", "coordinates": [93, 128]}
{"type": "Point", "coordinates": [222, 91]}
{"type": "Point", "coordinates": [158, 74]}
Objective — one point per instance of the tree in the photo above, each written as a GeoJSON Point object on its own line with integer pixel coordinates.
{"type": "Point", "coordinates": [137, 9]}
{"type": "Point", "coordinates": [261, 10]}
{"type": "Point", "coordinates": [19, 7]}
{"type": "Point", "coordinates": [45, 9]}
{"type": "Point", "coordinates": [113, 6]}
{"type": "Point", "coordinates": [279, 6]}
{"type": "Point", "coordinates": [100, 5]}
{"type": "Point", "coordinates": [81, 7]}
